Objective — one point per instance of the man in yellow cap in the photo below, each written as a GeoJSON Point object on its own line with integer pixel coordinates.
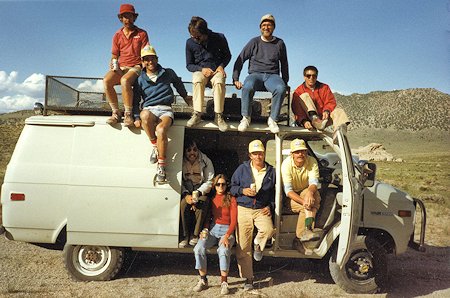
{"type": "Point", "coordinates": [267, 59]}
{"type": "Point", "coordinates": [153, 87]}
{"type": "Point", "coordinates": [253, 185]}
{"type": "Point", "coordinates": [300, 174]}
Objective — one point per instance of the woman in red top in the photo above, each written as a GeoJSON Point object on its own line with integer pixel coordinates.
{"type": "Point", "coordinates": [223, 213]}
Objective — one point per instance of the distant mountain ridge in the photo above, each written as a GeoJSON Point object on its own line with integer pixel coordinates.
{"type": "Point", "coordinates": [409, 109]}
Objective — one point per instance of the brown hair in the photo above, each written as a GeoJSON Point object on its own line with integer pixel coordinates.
{"type": "Point", "coordinates": [198, 24]}
{"type": "Point", "coordinates": [227, 197]}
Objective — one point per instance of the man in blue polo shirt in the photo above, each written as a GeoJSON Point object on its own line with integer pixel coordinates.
{"type": "Point", "coordinates": [207, 55]}
{"type": "Point", "coordinates": [267, 57]}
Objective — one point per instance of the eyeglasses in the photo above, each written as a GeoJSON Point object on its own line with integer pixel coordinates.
{"type": "Point", "coordinates": [221, 184]}
{"type": "Point", "coordinates": [195, 149]}
{"type": "Point", "coordinates": [310, 75]}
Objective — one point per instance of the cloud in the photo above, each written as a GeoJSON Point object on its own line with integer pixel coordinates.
{"type": "Point", "coordinates": [88, 86]}
{"type": "Point", "coordinates": [15, 96]}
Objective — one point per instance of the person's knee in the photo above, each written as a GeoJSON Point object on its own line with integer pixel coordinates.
{"type": "Point", "coordinates": [161, 130]}
{"type": "Point", "coordinates": [280, 89]}
{"type": "Point", "coordinates": [126, 81]}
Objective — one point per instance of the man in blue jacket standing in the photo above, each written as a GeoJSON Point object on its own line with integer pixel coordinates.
{"type": "Point", "coordinates": [153, 87]}
{"type": "Point", "coordinates": [253, 185]}
{"type": "Point", "coordinates": [207, 55]}
{"type": "Point", "coordinates": [267, 58]}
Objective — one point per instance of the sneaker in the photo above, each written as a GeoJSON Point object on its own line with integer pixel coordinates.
{"type": "Point", "coordinates": [245, 122]}
{"type": "Point", "coordinates": [200, 286]}
{"type": "Point", "coordinates": [224, 288]}
{"type": "Point", "coordinates": [154, 155]}
{"type": "Point", "coordinates": [193, 241]}
{"type": "Point", "coordinates": [309, 235]}
{"type": "Point", "coordinates": [319, 123]}
{"type": "Point", "coordinates": [273, 126]}
{"type": "Point", "coordinates": [114, 119]}
{"type": "Point", "coordinates": [223, 126]}
{"type": "Point", "coordinates": [128, 120]}
{"type": "Point", "coordinates": [183, 243]}
{"type": "Point", "coordinates": [257, 253]}
{"type": "Point", "coordinates": [248, 286]}
{"type": "Point", "coordinates": [195, 119]}
{"type": "Point", "coordinates": [161, 174]}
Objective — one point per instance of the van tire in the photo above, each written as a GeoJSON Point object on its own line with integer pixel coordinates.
{"type": "Point", "coordinates": [365, 271]}
{"type": "Point", "coordinates": [92, 262]}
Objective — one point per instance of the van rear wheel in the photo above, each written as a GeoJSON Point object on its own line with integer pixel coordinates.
{"type": "Point", "coordinates": [92, 262]}
{"type": "Point", "coordinates": [365, 270]}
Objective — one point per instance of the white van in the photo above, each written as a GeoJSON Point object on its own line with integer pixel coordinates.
{"type": "Point", "coordinates": [77, 182]}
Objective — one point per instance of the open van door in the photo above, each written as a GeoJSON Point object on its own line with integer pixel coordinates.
{"type": "Point", "coordinates": [351, 203]}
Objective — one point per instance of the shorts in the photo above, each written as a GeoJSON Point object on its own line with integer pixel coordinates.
{"type": "Point", "coordinates": [137, 69]}
{"type": "Point", "coordinates": [160, 111]}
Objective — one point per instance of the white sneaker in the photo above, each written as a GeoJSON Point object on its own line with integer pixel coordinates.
{"type": "Point", "coordinates": [195, 119]}
{"type": "Point", "coordinates": [273, 126]}
{"type": "Point", "coordinates": [200, 286]}
{"type": "Point", "coordinates": [224, 288]}
{"type": "Point", "coordinates": [245, 122]}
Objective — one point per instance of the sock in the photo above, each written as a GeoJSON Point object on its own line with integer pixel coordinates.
{"type": "Point", "coordinates": [309, 222]}
{"type": "Point", "coordinates": [154, 142]}
{"type": "Point", "coordinates": [204, 278]}
{"type": "Point", "coordinates": [223, 278]}
{"type": "Point", "coordinates": [114, 107]}
{"type": "Point", "coordinates": [312, 114]}
{"type": "Point", "coordinates": [162, 162]}
{"type": "Point", "coordinates": [128, 109]}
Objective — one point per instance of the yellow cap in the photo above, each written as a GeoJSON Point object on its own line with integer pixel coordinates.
{"type": "Point", "coordinates": [297, 145]}
{"type": "Point", "coordinates": [267, 17]}
{"type": "Point", "coordinates": [255, 146]}
{"type": "Point", "coordinates": [148, 50]}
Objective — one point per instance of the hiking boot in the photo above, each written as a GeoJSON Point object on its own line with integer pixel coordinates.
{"type": "Point", "coordinates": [245, 122]}
{"type": "Point", "coordinates": [114, 119]}
{"type": "Point", "coordinates": [248, 286]}
{"type": "Point", "coordinates": [273, 126]}
{"type": "Point", "coordinates": [257, 253]}
{"type": "Point", "coordinates": [319, 123]}
{"type": "Point", "coordinates": [200, 286]}
{"type": "Point", "coordinates": [154, 155]}
{"type": "Point", "coordinates": [224, 288]}
{"type": "Point", "coordinates": [128, 120]}
{"type": "Point", "coordinates": [223, 126]}
{"type": "Point", "coordinates": [309, 235]}
{"type": "Point", "coordinates": [161, 174]}
{"type": "Point", "coordinates": [195, 119]}
{"type": "Point", "coordinates": [193, 241]}
{"type": "Point", "coordinates": [183, 243]}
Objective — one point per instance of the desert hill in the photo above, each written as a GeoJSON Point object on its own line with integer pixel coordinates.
{"type": "Point", "coordinates": [410, 109]}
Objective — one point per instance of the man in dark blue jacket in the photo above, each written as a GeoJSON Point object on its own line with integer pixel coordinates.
{"type": "Point", "coordinates": [153, 86]}
{"type": "Point", "coordinates": [253, 185]}
{"type": "Point", "coordinates": [207, 55]}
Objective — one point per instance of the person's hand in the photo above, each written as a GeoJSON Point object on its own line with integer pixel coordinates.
{"type": "Point", "coordinates": [308, 125]}
{"type": "Point", "coordinates": [221, 70]}
{"type": "Point", "coordinates": [224, 240]}
{"type": "Point", "coordinates": [309, 200]}
{"type": "Point", "coordinates": [325, 115]}
{"type": "Point", "coordinates": [137, 123]}
{"type": "Point", "coordinates": [266, 211]}
{"type": "Point", "coordinates": [188, 199]}
{"type": "Point", "coordinates": [238, 85]}
{"type": "Point", "coordinates": [249, 192]}
{"type": "Point", "coordinates": [207, 72]}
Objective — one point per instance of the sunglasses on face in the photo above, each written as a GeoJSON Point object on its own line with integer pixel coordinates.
{"type": "Point", "coordinates": [221, 184]}
{"type": "Point", "coordinates": [310, 75]}
{"type": "Point", "coordinates": [195, 149]}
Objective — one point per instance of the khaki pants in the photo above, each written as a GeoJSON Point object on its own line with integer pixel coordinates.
{"type": "Point", "coordinates": [249, 218]}
{"type": "Point", "coordinates": [303, 213]}
{"type": "Point", "coordinates": [218, 87]}
{"type": "Point", "coordinates": [191, 218]}
{"type": "Point", "coordinates": [338, 115]}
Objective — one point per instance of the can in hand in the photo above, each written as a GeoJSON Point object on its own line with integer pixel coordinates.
{"type": "Point", "coordinates": [195, 196]}
{"type": "Point", "coordinates": [204, 234]}
{"type": "Point", "coordinates": [115, 64]}
{"type": "Point", "coordinates": [253, 186]}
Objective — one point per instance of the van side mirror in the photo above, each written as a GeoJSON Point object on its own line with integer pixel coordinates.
{"type": "Point", "coordinates": [369, 171]}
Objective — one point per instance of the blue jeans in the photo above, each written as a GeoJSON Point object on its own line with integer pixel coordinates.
{"type": "Point", "coordinates": [223, 252]}
{"type": "Point", "coordinates": [261, 82]}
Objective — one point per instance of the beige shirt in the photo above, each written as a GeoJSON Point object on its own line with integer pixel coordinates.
{"type": "Point", "coordinates": [258, 176]}
{"type": "Point", "coordinates": [298, 178]}
{"type": "Point", "coordinates": [194, 172]}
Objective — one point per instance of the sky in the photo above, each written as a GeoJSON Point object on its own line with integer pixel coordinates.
{"type": "Point", "coordinates": [358, 46]}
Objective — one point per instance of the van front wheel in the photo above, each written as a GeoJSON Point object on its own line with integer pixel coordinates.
{"type": "Point", "coordinates": [365, 270]}
{"type": "Point", "coordinates": [92, 262]}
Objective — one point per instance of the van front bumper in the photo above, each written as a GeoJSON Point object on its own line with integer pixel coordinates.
{"type": "Point", "coordinates": [419, 246]}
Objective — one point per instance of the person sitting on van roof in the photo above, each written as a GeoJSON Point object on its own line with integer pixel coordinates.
{"type": "Point", "coordinates": [300, 174]}
{"type": "Point", "coordinates": [313, 103]}
{"type": "Point", "coordinates": [125, 65]}
{"type": "Point", "coordinates": [197, 176]}
{"type": "Point", "coordinates": [253, 184]}
{"type": "Point", "coordinates": [153, 87]}
{"type": "Point", "coordinates": [221, 219]}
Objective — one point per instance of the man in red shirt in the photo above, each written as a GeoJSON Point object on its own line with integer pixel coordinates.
{"type": "Point", "coordinates": [314, 104]}
{"type": "Point", "coordinates": [125, 64]}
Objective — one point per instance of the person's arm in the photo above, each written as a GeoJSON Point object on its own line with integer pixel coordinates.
{"type": "Point", "coordinates": [226, 51]}
{"type": "Point", "coordinates": [329, 101]}
{"type": "Point", "coordinates": [284, 63]}
{"type": "Point", "coordinates": [137, 94]}
{"type": "Point", "coordinates": [208, 175]}
{"type": "Point", "coordinates": [240, 60]}
{"type": "Point", "coordinates": [235, 188]}
{"type": "Point", "coordinates": [190, 58]}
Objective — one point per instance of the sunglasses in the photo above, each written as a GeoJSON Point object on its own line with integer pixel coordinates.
{"type": "Point", "coordinates": [195, 149]}
{"type": "Point", "coordinates": [310, 75]}
{"type": "Point", "coordinates": [221, 184]}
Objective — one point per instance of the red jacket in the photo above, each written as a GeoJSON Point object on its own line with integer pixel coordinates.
{"type": "Point", "coordinates": [322, 97]}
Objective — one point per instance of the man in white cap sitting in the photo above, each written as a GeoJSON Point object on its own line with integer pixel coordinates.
{"type": "Point", "coordinates": [300, 174]}
{"type": "Point", "coordinates": [267, 58]}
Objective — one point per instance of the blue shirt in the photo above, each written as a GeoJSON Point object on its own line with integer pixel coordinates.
{"type": "Point", "coordinates": [156, 93]}
{"type": "Point", "coordinates": [265, 57]}
{"type": "Point", "coordinates": [213, 54]}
